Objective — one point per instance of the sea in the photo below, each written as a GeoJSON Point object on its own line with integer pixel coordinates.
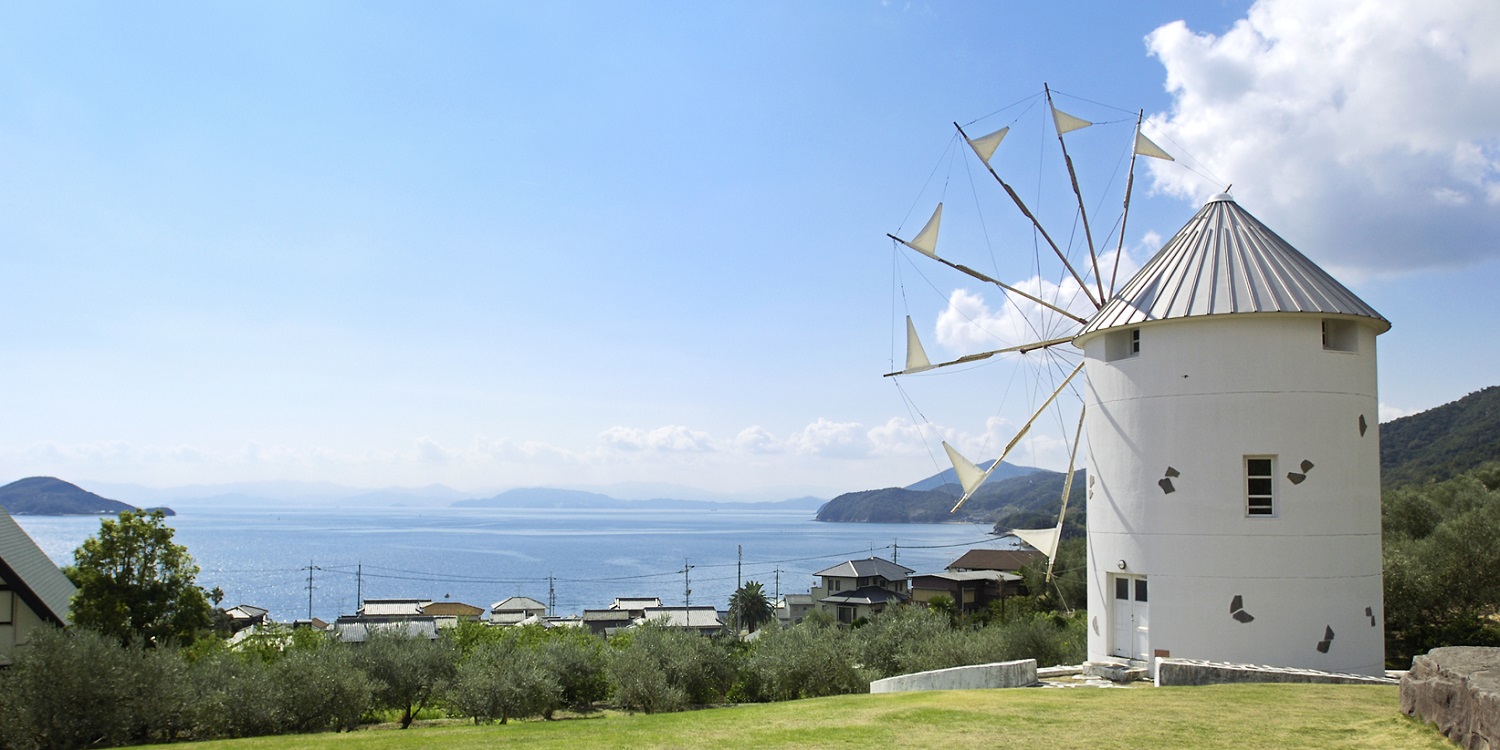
{"type": "Point", "coordinates": [301, 562]}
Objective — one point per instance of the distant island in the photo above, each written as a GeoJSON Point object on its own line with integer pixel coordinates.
{"type": "Point", "coordinates": [49, 496]}
{"type": "Point", "coordinates": [1014, 497]}
{"type": "Point", "coordinates": [553, 498]}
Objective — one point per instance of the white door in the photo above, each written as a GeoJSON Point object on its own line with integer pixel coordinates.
{"type": "Point", "coordinates": [1130, 620]}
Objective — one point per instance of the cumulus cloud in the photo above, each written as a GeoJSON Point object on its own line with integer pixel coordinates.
{"type": "Point", "coordinates": [968, 324]}
{"type": "Point", "coordinates": [828, 439]}
{"type": "Point", "coordinates": [1366, 133]}
{"type": "Point", "coordinates": [756, 439]}
{"type": "Point", "coordinates": [670, 439]}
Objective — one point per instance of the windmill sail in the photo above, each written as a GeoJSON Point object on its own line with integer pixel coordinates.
{"type": "Point", "coordinates": [1146, 147]}
{"type": "Point", "coordinates": [969, 475]}
{"type": "Point", "coordinates": [1067, 123]}
{"type": "Point", "coordinates": [926, 240]}
{"type": "Point", "coordinates": [985, 145]}
{"type": "Point", "coordinates": [1044, 540]}
{"type": "Point", "coordinates": [916, 357]}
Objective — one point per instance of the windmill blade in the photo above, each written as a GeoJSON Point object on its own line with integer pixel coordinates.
{"type": "Point", "coordinates": [969, 475]}
{"type": "Point", "coordinates": [1007, 287]}
{"type": "Point", "coordinates": [916, 356]}
{"type": "Point", "coordinates": [1020, 204]}
{"type": "Point", "coordinates": [984, 146]}
{"type": "Point", "coordinates": [911, 337]}
{"type": "Point", "coordinates": [926, 240]}
{"type": "Point", "coordinates": [1059, 118]}
{"type": "Point", "coordinates": [1022, 433]}
{"type": "Point", "coordinates": [1062, 512]}
{"type": "Point", "coordinates": [1044, 540]}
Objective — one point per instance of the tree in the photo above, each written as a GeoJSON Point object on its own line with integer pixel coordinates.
{"type": "Point", "coordinates": [749, 608]}
{"type": "Point", "coordinates": [407, 670]}
{"type": "Point", "coordinates": [136, 585]}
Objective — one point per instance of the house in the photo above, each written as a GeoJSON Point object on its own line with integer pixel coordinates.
{"type": "Point", "coordinates": [246, 616]}
{"type": "Point", "coordinates": [358, 630]}
{"type": "Point", "coordinates": [635, 604]}
{"type": "Point", "coordinates": [517, 610]}
{"type": "Point", "coordinates": [976, 578]}
{"type": "Point", "coordinates": [792, 608]}
{"type": "Point", "coordinates": [392, 608]}
{"type": "Point", "coordinates": [1007, 560]}
{"type": "Point", "coordinates": [1234, 458]}
{"type": "Point", "coordinates": [860, 588]}
{"type": "Point", "coordinates": [34, 594]}
{"type": "Point", "coordinates": [607, 621]}
{"type": "Point", "coordinates": [458, 611]}
{"type": "Point", "coordinates": [701, 620]}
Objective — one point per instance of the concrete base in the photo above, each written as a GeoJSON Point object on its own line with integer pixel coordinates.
{"type": "Point", "coordinates": [1457, 688]}
{"type": "Point", "coordinates": [1116, 671]}
{"type": "Point", "coordinates": [1171, 672]}
{"type": "Point", "coordinates": [1005, 674]}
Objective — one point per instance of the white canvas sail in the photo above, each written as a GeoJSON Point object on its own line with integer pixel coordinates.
{"type": "Point", "coordinates": [1067, 123]}
{"type": "Point", "coordinates": [926, 240]}
{"type": "Point", "coordinates": [1146, 147]}
{"type": "Point", "coordinates": [985, 145]}
{"type": "Point", "coordinates": [916, 356]}
{"type": "Point", "coordinates": [969, 475]}
{"type": "Point", "coordinates": [1044, 540]}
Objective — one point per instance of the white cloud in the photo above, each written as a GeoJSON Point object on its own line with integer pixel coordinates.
{"type": "Point", "coordinates": [1365, 133]}
{"type": "Point", "coordinates": [829, 439]}
{"type": "Point", "coordinates": [968, 325]}
{"type": "Point", "coordinates": [1388, 412]}
{"type": "Point", "coordinates": [671, 439]}
{"type": "Point", "coordinates": [756, 439]}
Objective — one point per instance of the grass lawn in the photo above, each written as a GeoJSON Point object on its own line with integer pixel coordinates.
{"type": "Point", "coordinates": [1236, 716]}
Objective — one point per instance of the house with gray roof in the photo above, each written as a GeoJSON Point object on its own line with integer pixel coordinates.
{"type": "Point", "coordinates": [34, 593]}
{"type": "Point", "coordinates": [701, 620]}
{"type": "Point", "coordinates": [517, 610]}
{"type": "Point", "coordinates": [860, 588]}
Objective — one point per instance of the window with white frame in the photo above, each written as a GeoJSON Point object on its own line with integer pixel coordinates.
{"type": "Point", "coordinates": [1260, 486]}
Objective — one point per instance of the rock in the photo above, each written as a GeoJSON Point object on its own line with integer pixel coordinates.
{"type": "Point", "coordinates": [1457, 688]}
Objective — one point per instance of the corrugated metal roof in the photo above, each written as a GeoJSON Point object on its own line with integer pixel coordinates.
{"type": "Point", "coordinates": [1223, 262]}
{"type": "Point", "coordinates": [28, 570]}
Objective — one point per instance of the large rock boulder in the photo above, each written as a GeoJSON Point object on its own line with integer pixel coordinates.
{"type": "Point", "coordinates": [1457, 688]}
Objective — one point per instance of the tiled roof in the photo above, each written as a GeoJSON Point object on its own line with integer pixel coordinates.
{"type": "Point", "coordinates": [606, 615]}
{"type": "Point", "coordinates": [393, 607]}
{"type": "Point", "coordinates": [996, 559]}
{"type": "Point", "coordinates": [677, 617]}
{"type": "Point", "coordinates": [873, 566]}
{"type": "Point", "coordinates": [452, 609]}
{"type": "Point", "coordinates": [1223, 262]}
{"type": "Point", "coordinates": [865, 595]}
{"type": "Point", "coordinates": [31, 574]}
{"type": "Point", "coordinates": [517, 604]}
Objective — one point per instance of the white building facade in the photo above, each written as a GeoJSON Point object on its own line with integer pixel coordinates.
{"type": "Point", "coordinates": [1234, 463]}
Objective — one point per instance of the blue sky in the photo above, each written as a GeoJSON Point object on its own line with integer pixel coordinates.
{"type": "Point", "coordinates": [586, 244]}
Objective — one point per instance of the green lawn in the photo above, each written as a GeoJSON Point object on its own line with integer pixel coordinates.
{"type": "Point", "coordinates": [1237, 716]}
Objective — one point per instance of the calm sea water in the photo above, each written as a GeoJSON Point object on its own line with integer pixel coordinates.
{"type": "Point", "coordinates": [479, 556]}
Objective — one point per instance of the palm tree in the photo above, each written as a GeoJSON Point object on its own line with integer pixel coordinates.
{"type": "Point", "coordinates": [749, 608]}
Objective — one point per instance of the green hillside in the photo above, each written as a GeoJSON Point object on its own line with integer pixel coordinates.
{"type": "Point", "coordinates": [1026, 501]}
{"type": "Point", "coordinates": [1442, 442]}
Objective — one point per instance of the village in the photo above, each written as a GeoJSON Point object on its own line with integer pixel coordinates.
{"type": "Point", "coordinates": [849, 592]}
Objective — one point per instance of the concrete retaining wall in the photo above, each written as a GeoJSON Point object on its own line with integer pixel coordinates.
{"type": "Point", "coordinates": [1192, 672]}
{"type": "Point", "coordinates": [1457, 688]}
{"type": "Point", "coordinates": [1005, 674]}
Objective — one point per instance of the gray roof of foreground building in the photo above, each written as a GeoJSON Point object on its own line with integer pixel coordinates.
{"type": "Point", "coordinates": [873, 566]}
{"type": "Point", "coordinates": [1225, 262]}
{"type": "Point", "coordinates": [31, 574]}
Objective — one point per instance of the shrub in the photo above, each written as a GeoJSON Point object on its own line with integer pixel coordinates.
{"type": "Point", "coordinates": [320, 689]}
{"type": "Point", "coordinates": [406, 671]}
{"type": "Point", "coordinates": [805, 661]}
{"type": "Point", "coordinates": [501, 680]}
{"type": "Point", "coordinates": [68, 689]}
{"type": "Point", "coordinates": [236, 696]}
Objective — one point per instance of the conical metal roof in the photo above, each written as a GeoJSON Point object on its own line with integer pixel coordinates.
{"type": "Point", "coordinates": [1225, 262]}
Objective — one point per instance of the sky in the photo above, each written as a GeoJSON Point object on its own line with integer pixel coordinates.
{"type": "Point", "coordinates": [642, 245]}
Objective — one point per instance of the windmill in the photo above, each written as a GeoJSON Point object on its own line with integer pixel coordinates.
{"type": "Point", "coordinates": [1091, 286]}
{"type": "Point", "coordinates": [1231, 404]}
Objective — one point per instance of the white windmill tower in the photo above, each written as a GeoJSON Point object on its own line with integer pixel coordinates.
{"type": "Point", "coordinates": [1230, 402]}
{"type": "Point", "coordinates": [1234, 498]}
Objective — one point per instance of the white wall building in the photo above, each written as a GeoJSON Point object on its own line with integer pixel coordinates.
{"type": "Point", "coordinates": [1234, 470]}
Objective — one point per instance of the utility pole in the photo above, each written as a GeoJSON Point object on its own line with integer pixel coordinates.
{"type": "Point", "coordinates": [551, 596]}
{"type": "Point", "coordinates": [359, 586]}
{"type": "Point", "coordinates": [895, 551]}
{"type": "Point", "coordinates": [310, 568]}
{"type": "Point", "coordinates": [687, 593]}
{"type": "Point", "coordinates": [778, 583]}
{"type": "Point", "coordinates": [739, 567]}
